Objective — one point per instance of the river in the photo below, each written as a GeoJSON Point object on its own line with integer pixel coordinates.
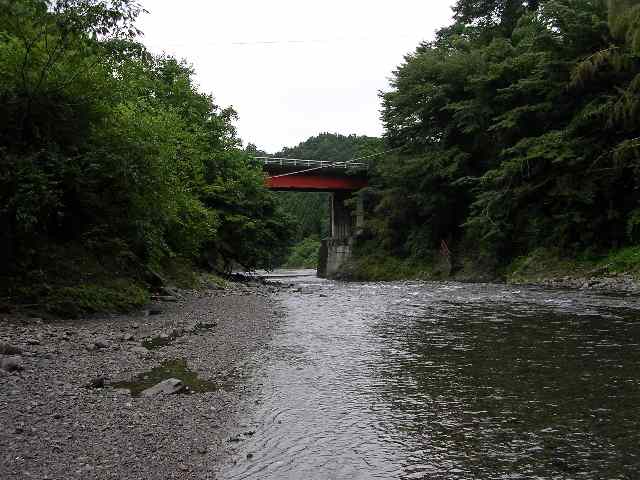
{"type": "Point", "coordinates": [419, 380]}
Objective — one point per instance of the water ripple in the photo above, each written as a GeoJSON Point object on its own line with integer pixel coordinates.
{"type": "Point", "coordinates": [414, 380]}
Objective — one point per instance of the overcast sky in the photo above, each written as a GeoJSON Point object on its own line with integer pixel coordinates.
{"type": "Point", "coordinates": [293, 69]}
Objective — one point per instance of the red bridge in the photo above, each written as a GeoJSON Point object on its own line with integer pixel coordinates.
{"type": "Point", "coordinates": [314, 175]}
{"type": "Point", "coordinates": [341, 179]}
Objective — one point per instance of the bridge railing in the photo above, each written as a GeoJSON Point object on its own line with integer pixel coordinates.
{"type": "Point", "coordinates": [297, 162]}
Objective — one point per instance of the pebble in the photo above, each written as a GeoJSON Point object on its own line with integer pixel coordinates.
{"type": "Point", "coordinates": [127, 437]}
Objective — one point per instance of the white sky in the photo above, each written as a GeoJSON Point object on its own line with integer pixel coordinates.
{"type": "Point", "coordinates": [293, 69]}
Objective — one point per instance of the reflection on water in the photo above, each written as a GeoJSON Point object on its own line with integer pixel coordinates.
{"type": "Point", "coordinates": [446, 381]}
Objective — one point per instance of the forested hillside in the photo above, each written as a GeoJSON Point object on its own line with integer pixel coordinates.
{"type": "Point", "coordinates": [310, 211]}
{"type": "Point", "coordinates": [519, 128]}
{"type": "Point", "coordinates": [515, 132]}
{"type": "Point", "coordinates": [114, 168]}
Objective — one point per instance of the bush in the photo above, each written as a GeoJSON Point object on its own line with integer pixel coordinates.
{"type": "Point", "coordinates": [624, 260]}
{"type": "Point", "coordinates": [102, 143]}
{"type": "Point", "coordinates": [305, 254]}
{"type": "Point", "coordinates": [119, 295]}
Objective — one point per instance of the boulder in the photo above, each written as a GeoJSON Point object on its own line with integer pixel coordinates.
{"type": "Point", "coordinates": [166, 387]}
{"type": "Point", "coordinates": [98, 382]}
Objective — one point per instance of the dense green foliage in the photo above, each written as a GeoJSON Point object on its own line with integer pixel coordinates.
{"type": "Point", "coordinates": [107, 147]}
{"type": "Point", "coordinates": [304, 254]}
{"type": "Point", "coordinates": [519, 128]}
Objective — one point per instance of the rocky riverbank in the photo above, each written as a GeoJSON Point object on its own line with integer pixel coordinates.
{"type": "Point", "coordinates": [619, 283]}
{"type": "Point", "coordinates": [619, 272]}
{"type": "Point", "coordinates": [68, 404]}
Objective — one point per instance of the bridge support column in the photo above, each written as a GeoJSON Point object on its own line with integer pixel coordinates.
{"type": "Point", "coordinates": [345, 223]}
{"type": "Point", "coordinates": [341, 221]}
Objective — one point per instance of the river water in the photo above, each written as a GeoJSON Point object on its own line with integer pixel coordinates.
{"type": "Point", "coordinates": [415, 380]}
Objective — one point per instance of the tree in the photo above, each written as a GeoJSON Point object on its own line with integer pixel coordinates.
{"type": "Point", "coordinates": [518, 126]}
{"type": "Point", "coordinates": [493, 17]}
{"type": "Point", "coordinates": [112, 151]}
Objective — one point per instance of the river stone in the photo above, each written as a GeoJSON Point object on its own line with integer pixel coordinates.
{"type": "Point", "coordinates": [171, 292]}
{"type": "Point", "coordinates": [143, 352]}
{"type": "Point", "coordinates": [11, 364]}
{"type": "Point", "coordinates": [167, 298]}
{"type": "Point", "coordinates": [101, 342]}
{"type": "Point", "coordinates": [8, 349]}
{"type": "Point", "coordinates": [97, 382]}
{"type": "Point", "coordinates": [166, 387]}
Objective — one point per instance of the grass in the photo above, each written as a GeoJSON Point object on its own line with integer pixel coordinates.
{"type": "Point", "coordinates": [169, 369]}
{"type": "Point", "coordinates": [544, 264]}
{"type": "Point", "coordinates": [117, 295]}
{"type": "Point", "coordinates": [625, 260]}
{"type": "Point", "coordinates": [76, 280]}
{"type": "Point", "coordinates": [72, 281]}
{"type": "Point", "coordinates": [539, 265]}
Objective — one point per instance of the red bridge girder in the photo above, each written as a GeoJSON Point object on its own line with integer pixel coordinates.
{"type": "Point", "coordinates": [316, 183]}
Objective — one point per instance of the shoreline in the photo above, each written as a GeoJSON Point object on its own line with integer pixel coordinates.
{"type": "Point", "coordinates": [61, 416]}
{"type": "Point", "coordinates": [538, 272]}
{"type": "Point", "coordinates": [622, 284]}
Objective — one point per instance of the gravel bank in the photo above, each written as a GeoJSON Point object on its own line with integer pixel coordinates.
{"type": "Point", "coordinates": [618, 283]}
{"type": "Point", "coordinates": [57, 421]}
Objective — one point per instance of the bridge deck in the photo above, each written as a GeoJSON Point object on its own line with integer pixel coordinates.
{"type": "Point", "coordinates": [316, 183]}
{"type": "Point", "coordinates": [294, 174]}
{"type": "Point", "coordinates": [276, 163]}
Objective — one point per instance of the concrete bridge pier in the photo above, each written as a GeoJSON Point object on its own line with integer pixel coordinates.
{"type": "Point", "coordinates": [346, 224]}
